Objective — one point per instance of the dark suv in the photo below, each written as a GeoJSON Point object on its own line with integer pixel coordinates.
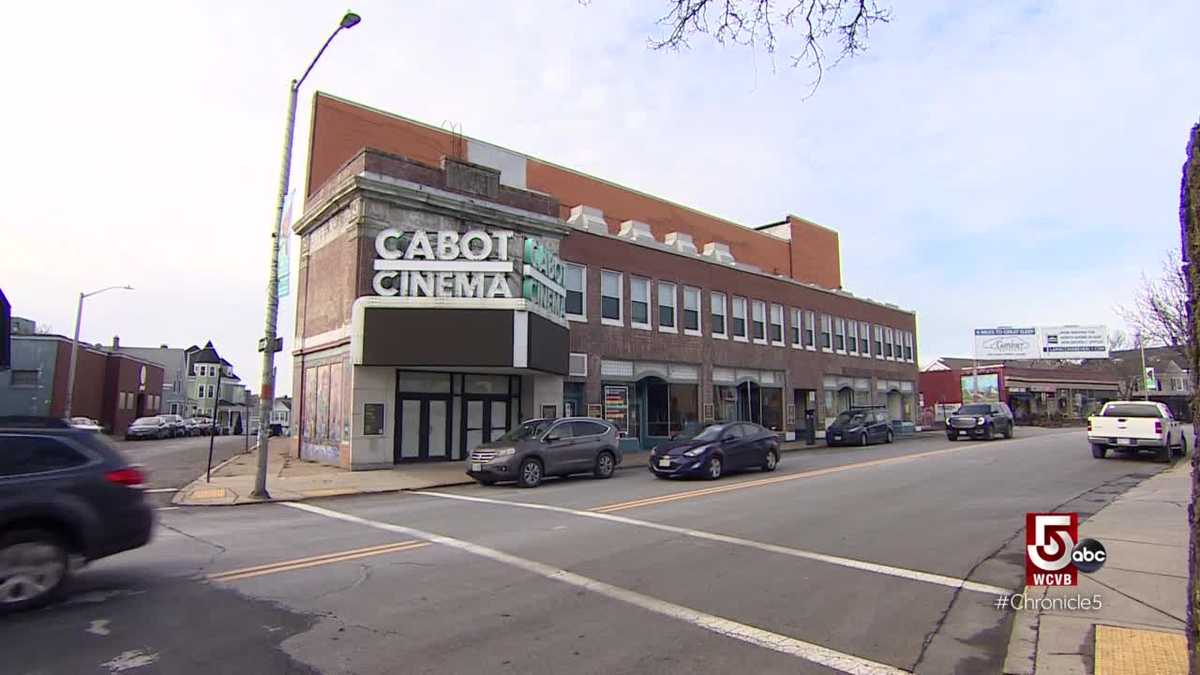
{"type": "Point", "coordinates": [64, 493]}
{"type": "Point", "coordinates": [546, 447]}
{"type": "Point", "coordinates": [980, 420]}
{"type": "Point", "coordinates": [860, 426]}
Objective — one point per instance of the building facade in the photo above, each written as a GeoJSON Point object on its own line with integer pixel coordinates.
{"type": "Point", "coordinates": [112, 388]}
{"type": "Point", "coordinates": [449, 289]}
{"type": "Point", "coordinates": [216, 392]}
{"type": "Point", "coordinates": [176, 398]}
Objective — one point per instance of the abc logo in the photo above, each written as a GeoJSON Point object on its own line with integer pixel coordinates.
{"type": "Point", "coordinates": [1089, 556]}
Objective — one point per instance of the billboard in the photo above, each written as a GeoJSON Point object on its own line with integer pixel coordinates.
{"type": "Point", "coordinates": [988, 392]}
{"type": "Point", "coordinates": [1042, 342]}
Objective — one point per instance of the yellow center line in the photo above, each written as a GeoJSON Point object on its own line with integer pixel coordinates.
{"type": "Point", "coordinates": [690, 494]}
{"type": "Point", "coordinates": [302, 563]}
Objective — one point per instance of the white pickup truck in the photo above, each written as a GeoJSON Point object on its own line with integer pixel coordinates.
{"type": "Point", "coordinates": [1129, 426]}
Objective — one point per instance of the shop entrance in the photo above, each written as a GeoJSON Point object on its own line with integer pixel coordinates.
{"type": "Point", "coordinates": [422, 428]}
{"type": "Point", "coordinates": [484, 419]}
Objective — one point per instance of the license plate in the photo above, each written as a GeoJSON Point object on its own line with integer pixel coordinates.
{"type": "Point", "coordinates": [664, 462]}
{"type": "Point", "coordinates": [1124, 441]}
{"type": "Point", "coordinates": [837, 437]}
{"type": "Point", "coordinates": [476, 466]}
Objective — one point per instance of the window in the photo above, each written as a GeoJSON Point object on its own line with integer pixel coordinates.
{"type": "Point", "coordinates": [810, 322]}
{"type": "Point", "coordinates": [24, 378]}
{"type": "Point", "coordinates": [560, 431]}
{"type": "Point", "coordinates": [211, 392]}
{"type": "Point", "coordinates": [575, 282]}
{"type": "Point", "coordinates": [717, 300]}
{"type": "Point", "coordinates": [826, 332]}
{"type": "Point", "coordinates": [691, 310]}
{"type": "Point", "coordinates": [864, 338]}
{"type": "Point", "coordinates": [908, 346]}
{"type": "Point", "coordinates": [588, 428]}
{"type": "Point", "coordinates": [739, 318]}
{"type": "Point", "coordinates": [879, 342]}
{"type": "Point", "coordinates": [199, 391]}
{"type": "Point", "coordinates": [610, 297]}
{"type": "Point", "coordinates": [852, 337]}
{"type": "Point", "coordinates": [777, 325]}
{"type": "Point", "coordinates": [20, 455]}
{"type": "Point", "coordinates": [639, 302]}
{"type": "Point", "coordinates": [666, 307]}
{"type": "Point", "coordinates": [760, 321]}
{"type": "Point", "coordinates": [795, 327]}
{"type": "Point", "coordinates": [888, 336]}
{"type": "Point", "coordinates": [839, 334]}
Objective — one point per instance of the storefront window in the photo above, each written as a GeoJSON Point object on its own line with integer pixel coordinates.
{"type": "Point", "coordinates": [725, 406]}
{"type": "Point", "coordinates": [684, 405]}
{"type": "Point", "coordinates": [658, 408]}
{"type": "Point", "coordinates": [772, 408]}
{"type": "Point", "coordinates": [423, 383]}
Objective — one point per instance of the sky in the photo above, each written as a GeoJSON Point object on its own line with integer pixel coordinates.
{"type": "Point", "coordinates": [984, 165]}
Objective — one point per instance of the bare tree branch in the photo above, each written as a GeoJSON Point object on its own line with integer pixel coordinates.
{"type": "Point", "coordinates": [1159, 312]}
{"type": "Point", "coordinates": [753, 23]}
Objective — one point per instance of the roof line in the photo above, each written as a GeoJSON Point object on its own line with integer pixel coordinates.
{"type": "Point", "coordinates": [748, 228]}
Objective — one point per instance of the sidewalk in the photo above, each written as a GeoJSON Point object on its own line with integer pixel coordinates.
{"type": "Point", "coordinates": [292, 479]}
{"type": "Point", "coordinates": [1143, 588]}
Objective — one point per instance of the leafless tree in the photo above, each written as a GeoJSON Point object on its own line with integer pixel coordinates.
{"type": "Point", "coordinates": [1189, 223]}
{"type": "Point", "coordinates": [829, 30]}
{"type": "Point", "coordinates": [1159, 312]}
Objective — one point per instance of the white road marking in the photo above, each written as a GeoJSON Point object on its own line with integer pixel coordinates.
{"type": "Point", "coordinates": [152, 491]}
{"type": "Point", "coordinates": [135, 658]}
{"type": "Point", "coordinates": [915, 575]}
{"type": "Point", "coordinates": [168, 508]}
{"type": "Point", "coordinates": [783, 644]}
{"type": "Point", "coordinates": [99, 627]}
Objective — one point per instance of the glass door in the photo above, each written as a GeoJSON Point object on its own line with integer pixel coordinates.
{"type": "Point", "coordinates": [422, 428]}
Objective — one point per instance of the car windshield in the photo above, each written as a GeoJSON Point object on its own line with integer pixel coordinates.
{"type": "Point", "coordinates": [147, 420]}
{"type": "Point", "coordinates": [526, 430]}
{"type": "Point", "coordinates": [974, 409]}
{"type": "Point", "coordinates": [848, 417]}
{"type": "Point", "coordinates": [1131, 410]}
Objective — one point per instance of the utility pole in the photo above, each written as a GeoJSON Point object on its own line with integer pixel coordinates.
{"type": "Point", "coordinates": [75, 346]}
{"type": "Point", "coordinates": [1145, 379]}
{"type": "Point", "coordinates": [212, 429]}
{"type": "Point", "coordinates": [270, 342]}
{"type": "Point", "coordinates": [1189, 217]}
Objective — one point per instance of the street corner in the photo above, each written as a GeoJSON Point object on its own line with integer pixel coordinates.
{"type": "Point", "coordinates": [204, 494]}
{"type": "Point", "coordinates": [1134, 651]}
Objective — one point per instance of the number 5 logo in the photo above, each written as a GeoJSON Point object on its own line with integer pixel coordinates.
{"type": "Point", "coordinates": [1049, 542]}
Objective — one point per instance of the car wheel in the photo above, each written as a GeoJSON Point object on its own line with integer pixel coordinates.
{"type": "Point", "coordinates": [772, 461]}
{"type": "Point", "coordinates": [952, 437]}
{"type": "Point", "coordinates": [605, 465]}
{"type": "Point", "coordinates": [1165, 454]}
{"type": "Point", "coordinates": [530, 473]}
{"type": "Point", "coordinates": [863, 441]}
{"type": "Point", "coordinates": [1008, 431]}
{"type": "Point", "coordinates": [1183, 446]}
{"type": "Point", "coordinates": [989, 432]}
{"type": "Point", "coordinates": [1098, 451]}
{"type": "Point", "coordinates": [713, 469]}
{"type": "Point", "coordinates": [33, 566]}
{"type": "Point", "coordinates": [890, 437]}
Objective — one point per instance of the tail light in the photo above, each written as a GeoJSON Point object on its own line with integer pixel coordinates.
{"type": "Point", "coordinates": [1089, 425]}
{"type": "Point", "coordinates": [1158, 427]}
{"type": "Point", "coordinates": [128, 477]}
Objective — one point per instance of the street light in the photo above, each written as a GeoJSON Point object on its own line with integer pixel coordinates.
{"type": "Point", "coordinates": [269, 343]}
{"type": "Point", "coordinates": [75, 345]}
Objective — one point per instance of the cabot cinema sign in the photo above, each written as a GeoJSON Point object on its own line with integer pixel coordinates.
{"type": "Point", "coordinates": [471, 264]}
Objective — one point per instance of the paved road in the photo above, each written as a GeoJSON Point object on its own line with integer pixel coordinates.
{"type": "Point", "coordinates": [175, 462]}
{"type": "Point", "coordinates": [843, 560]}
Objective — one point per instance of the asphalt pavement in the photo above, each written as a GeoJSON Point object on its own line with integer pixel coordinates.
{"type": "Point", "coordinates": [875, 560]}
{"type": "Point", "coordinates": [172, 463]}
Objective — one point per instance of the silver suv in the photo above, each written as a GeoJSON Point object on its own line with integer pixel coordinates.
{"type": "Point", "coordinates": [545, 447]}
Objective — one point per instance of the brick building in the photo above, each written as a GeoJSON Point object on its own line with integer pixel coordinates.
{"type": "Point", "coordinates": [449, 288]}
{"type": "Point", "coordinates": [113, 388]}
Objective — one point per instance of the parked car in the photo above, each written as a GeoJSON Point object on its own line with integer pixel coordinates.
{"type": "Point", "coordinates": [65, 493]}
{"type": "Point", "coordinates": [176, 424]}
{"type": "Point", "coordinates": [1130, 426]}
{"type": "Point", "coordinates": [715, 450]}
{"type": "Point", "coordinates": [980, 420]}
{"type": "Point", "coordinates": [199, 426]}
{"type": "Point", "coordinates": [860, 426]}
{"type": "Point", "coordinates": [547, 447]}
{"type": "Point", "coordinates": [148, 427]}
{"type": "Point", "coordinates": [85, 423]}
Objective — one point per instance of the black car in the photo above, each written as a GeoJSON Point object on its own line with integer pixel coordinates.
{"type": "Point", "coordinates": [980, 420]}
{"type": "Point", "coordinates": [860, 426]}
{"type": "Point", "coordinates": [716, 449]}
{"type": "Point", "coordinates": [65, 494]}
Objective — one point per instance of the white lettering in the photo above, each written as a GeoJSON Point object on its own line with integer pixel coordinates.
{"type": "Point", "coordinates": [484, 240]}
{"type": "Point", "coordinates": [467, 285]}
{"type": "Point", "coordinates": [419, 246]}
{"type": "Point", "coordinates": [445, 284]}
{"type": "Point", "coordinates": [502, 237]}
{"type": "Point", "coordinates": [499, 287]}
{"type": "Point", "coordinates": [384, 289]}
{"type": "Point", "coordinates": [381, 243]}
{"type": "Point", "coordinates": [419, 285]}
{"type": "Point", "coordinates": [447, 244]}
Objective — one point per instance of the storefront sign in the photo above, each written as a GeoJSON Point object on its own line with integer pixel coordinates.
{"type": "Point", "coordinates": [373, 419]}
{"type": "Point", "coordinates": [443, 263]}
{"type": "Point", "coordinates": [544, 273]}
{"type": "Point", "coordinates": [1006, 343]}
{"type": "Point", "coordinates": [594, 410]}
{"type": "Point", "coordinates": [616, 406]}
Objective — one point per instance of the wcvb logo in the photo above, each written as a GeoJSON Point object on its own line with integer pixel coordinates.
{"type": "Point", "coordinates": [1049, 544]}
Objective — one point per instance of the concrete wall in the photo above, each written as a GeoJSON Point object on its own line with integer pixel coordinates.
{"type": "Point", "coordinates": [538, 390]}
{"type": "Point", "coordinates": [373, 385]}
